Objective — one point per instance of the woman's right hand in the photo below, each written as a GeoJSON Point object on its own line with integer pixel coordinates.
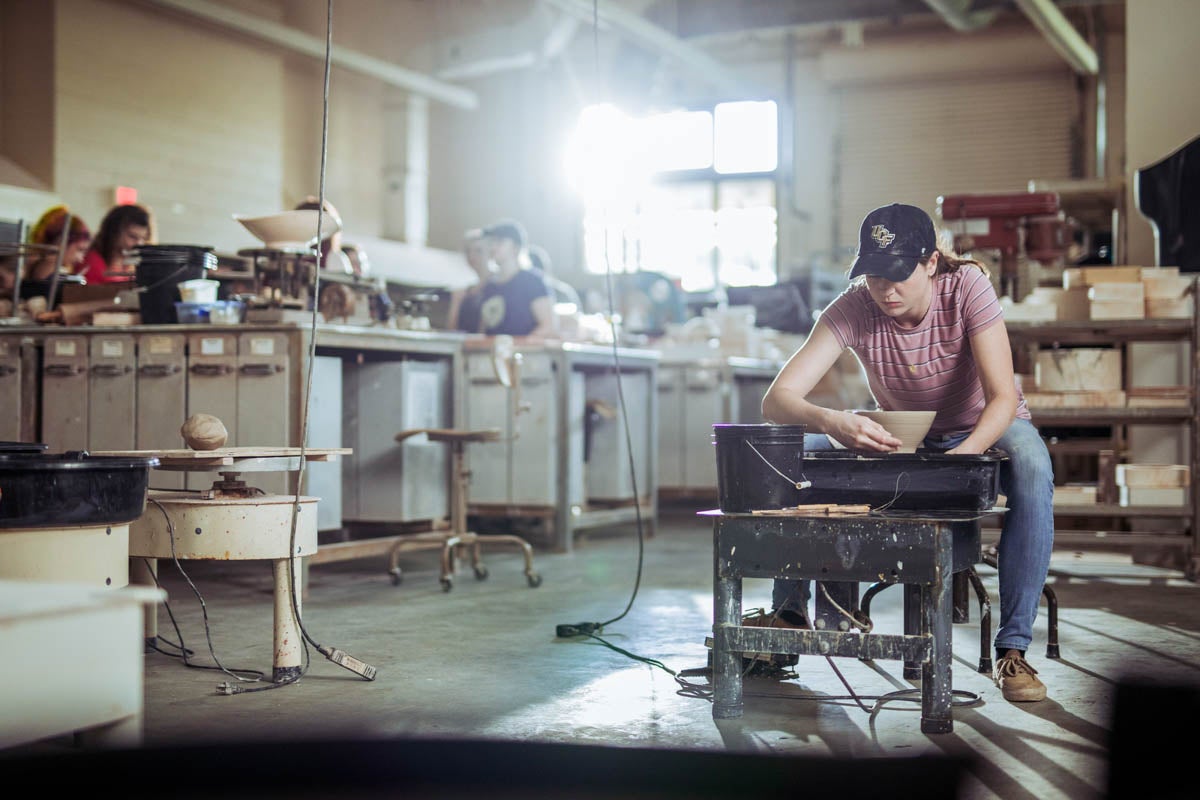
{"type": "Point", "coordinates": [860, 433]}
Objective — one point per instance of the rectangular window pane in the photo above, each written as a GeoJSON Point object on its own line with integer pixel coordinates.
{"type": "Point", "coordinates": [746, 232]}
{"type": "Point", "coordinates": [678, 140]}
{"type": "Point", "coordinates": [746, 137]}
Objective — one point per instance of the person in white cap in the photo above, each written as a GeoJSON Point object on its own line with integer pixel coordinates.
{"type": "Point", "coordinates": [928, 329]}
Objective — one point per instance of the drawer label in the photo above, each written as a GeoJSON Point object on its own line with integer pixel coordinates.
{"type": "Point", "coordinates": [159, 345]}
{"type": "Point", "coordinates": [262, 346]}
{"type": "Point", "coordinates": [64, 347]}
{"type": "Point", "coordinates": [212, 347]}
{"type": "Point", "coordinates": [112, 349]}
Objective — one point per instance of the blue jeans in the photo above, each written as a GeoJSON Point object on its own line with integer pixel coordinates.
{"type": "Point", "coordinates": [1026, 534]}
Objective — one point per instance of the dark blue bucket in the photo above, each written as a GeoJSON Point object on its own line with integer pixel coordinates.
{"type": "Point", "coordinates": [758, 466]}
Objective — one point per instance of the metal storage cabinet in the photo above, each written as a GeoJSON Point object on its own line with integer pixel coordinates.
{"type": "Point", "coordinates": [323, 479]}
{"type": "Point", "coordinates": [671, 462]}
{"type": "Point", "coordinates": [161, 398]}
{"type": "Point", "coordinates": [607, 468]}
{"type": "Point", "coordinates": [389, 395]}
{"type": "Point", "coordinates": [18, 390]}
{"type": "Point", "coordinates": [522, 469]}
{"type": "Point", "coordinates": [692, 397]}
{"type": "Point", "coordinates": [263, 399]}
{"type": "Point", "coordinates": [65, 393]}
{"type": "Point", "coordinates": [263, 407]}
{"type": "Point", "coordinates": [212, 380]}
{"type": "Point", "coordinates": [704, 402]}
{"type": "Point", "coordinates": [112, 392]}
{"type": "Point", "coordinates": [537, 470]}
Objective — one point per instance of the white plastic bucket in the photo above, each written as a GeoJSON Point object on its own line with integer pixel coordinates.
{"type": "Point", "coordinates": [198, 291]}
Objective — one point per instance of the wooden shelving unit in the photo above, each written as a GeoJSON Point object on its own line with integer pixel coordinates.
{"type": "Point", "coordinates": [1030, 336]}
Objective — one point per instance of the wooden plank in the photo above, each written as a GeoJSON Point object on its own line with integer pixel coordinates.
{"type": "Point", "coordinates": [192, 456]}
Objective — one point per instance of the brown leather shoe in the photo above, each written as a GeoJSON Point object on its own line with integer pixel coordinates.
{"type": "Point", "coordinates": [759, 618]}
{"type": "Point", "coordinates": [781, 618]}
{"type": "Point", "coordinates": [1017, 680]}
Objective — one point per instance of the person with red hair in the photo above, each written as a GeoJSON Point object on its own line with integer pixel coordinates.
{"type": "Point", "coordinates": [48, 231]}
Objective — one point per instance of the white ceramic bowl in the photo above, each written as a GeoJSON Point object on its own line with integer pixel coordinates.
{"type": "Point", "coordinates": [290, 229]}
{"type": "Point", "coordinates": [909, 427]}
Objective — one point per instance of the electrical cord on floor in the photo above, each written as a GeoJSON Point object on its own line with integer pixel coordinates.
{"type": "Point", "coordinates": [184, 652]}
{"type": "Point", "coordinates": [337, 656]}
{"type": "Point", "coordinates": [590, 629]}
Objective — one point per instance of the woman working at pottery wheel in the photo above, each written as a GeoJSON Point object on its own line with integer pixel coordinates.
{"type": "Point", "coordinates": [928, 329]}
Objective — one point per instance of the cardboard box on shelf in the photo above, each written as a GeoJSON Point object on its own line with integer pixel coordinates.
{"type": "Point", "coordinates": [1075, 495]}
{"type": "Point", "coordinates": [1153, 495]}
{"type": "Point", "coordinates": [1153, 476]}
{"type": "Point", "coordinates": [1117, 309]}
{"type": "Point", "coordinates": [1158, 396]}
{"type": "Point", "coordinates": [1086, 276]}
{"type": "Point", "coordinates": [1169, 308]}
{"type": "Point", "coordinates": [1168, 296]}
{"type": "Point", "coordinates": [1078, 369]}
{"type": "Point", "coordinates": [1159, 272]}
{"type": "Point", "coordinates": [1111, 398]}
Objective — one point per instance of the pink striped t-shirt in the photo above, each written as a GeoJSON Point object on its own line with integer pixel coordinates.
{"type": "Point", "coordinates": [930, 366]}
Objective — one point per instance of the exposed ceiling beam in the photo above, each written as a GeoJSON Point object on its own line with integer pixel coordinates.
{"type": "Point", "coordinates": [301, 42]}
{"type": "Point", "coordinates": [647, 34]}
{"type": "Point", "coordinates": [698, 18]}
{"type": "Point", "coordinates": [1061, 34]}
{"type": "Point", "coordinates": [958, 14]}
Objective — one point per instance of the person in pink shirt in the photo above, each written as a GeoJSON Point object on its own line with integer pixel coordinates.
{"type": "Point", "coordinates": [123, 228]}
{"type": "Point", "coordinates": [927, 327]}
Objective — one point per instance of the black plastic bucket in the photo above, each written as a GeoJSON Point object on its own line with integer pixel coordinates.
{"type": "Point", "coordinates": [758, 465]}
{"type": "Point", "coordinates": [54, 491]}
{"type": "Point", "coordinates": [159, 271]}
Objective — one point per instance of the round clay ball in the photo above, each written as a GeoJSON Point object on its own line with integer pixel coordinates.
{"type": "Point", "coordinates": [204, 432]}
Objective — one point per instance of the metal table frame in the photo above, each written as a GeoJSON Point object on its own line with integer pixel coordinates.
{"type": "Point", "coordinates": [922, 551]}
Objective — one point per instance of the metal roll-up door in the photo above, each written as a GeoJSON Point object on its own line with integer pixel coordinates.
{"type": "Point", "coordinates": [912, 143]}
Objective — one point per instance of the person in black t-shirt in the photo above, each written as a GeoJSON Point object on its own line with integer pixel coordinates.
{"type": "Point", "coordinates": [516, 301]}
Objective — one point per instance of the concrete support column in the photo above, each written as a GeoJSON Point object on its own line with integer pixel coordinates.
{"type": "Point", "coordinates": [406, 168]}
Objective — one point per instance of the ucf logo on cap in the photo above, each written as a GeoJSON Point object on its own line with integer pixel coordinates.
{"type": "Point", "coordinates": [882, 236]}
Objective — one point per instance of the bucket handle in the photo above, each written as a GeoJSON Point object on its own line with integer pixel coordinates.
{"type": "Point", "coordinates": [803, 483]}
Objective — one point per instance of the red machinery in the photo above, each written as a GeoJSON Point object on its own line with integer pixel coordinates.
{"type": "Point", "coordinates": [1028, 222]}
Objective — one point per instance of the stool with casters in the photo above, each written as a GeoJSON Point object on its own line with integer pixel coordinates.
{"type": "Point", "coordinates": [451, 542]}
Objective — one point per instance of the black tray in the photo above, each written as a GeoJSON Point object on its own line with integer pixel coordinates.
{"type": "Point", "coordinates": [920, 481]}
{"type": "Point", "coordinates": [54, 491]}
{"type": "Point", "coordinates": [22, 447]}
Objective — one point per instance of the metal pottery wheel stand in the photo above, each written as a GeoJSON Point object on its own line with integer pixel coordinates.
{"type": "Point", "coordinates": [922, 550]}
{"type": "Point", "coordinates": [234, 522]}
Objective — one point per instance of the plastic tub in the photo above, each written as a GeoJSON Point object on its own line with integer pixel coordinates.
{"type": "Point", "coordinates": [921, 481]}
{"type": "Point", "coordinates": [199, 291]}
{"type": "Point", "coordinates": [758, 466]}
{"type": "Point", "coordinates": [54, 491]}
{"type": "Point", "coordinates": [226, 312]}
{"type": "Point", "coordinates": [192, 313]}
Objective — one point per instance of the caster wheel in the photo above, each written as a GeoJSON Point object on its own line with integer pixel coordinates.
{"type": "Point", "coordinates": [396, 578]}
{"type": "Point", "coordinates": [481, 573]}
{"type": "Point", "coordinates": [447, 584]}
{"type": "Point", "coordinates": [534, 580]}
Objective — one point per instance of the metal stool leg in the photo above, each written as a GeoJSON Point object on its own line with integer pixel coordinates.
{"type": "Point", "coordinates": [985, 622]}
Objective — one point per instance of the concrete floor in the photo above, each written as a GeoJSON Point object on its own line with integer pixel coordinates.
{"type": "Point", "coordinates": [482, 663]}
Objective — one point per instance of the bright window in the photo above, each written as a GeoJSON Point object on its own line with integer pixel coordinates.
{"type": "Point", "coordinates": [687, 193]}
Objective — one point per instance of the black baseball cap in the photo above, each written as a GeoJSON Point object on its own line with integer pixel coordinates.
{"type": "Point", "coordinates": [507, 229]}
{"type": "Point", "coordinates": [892, 240]}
